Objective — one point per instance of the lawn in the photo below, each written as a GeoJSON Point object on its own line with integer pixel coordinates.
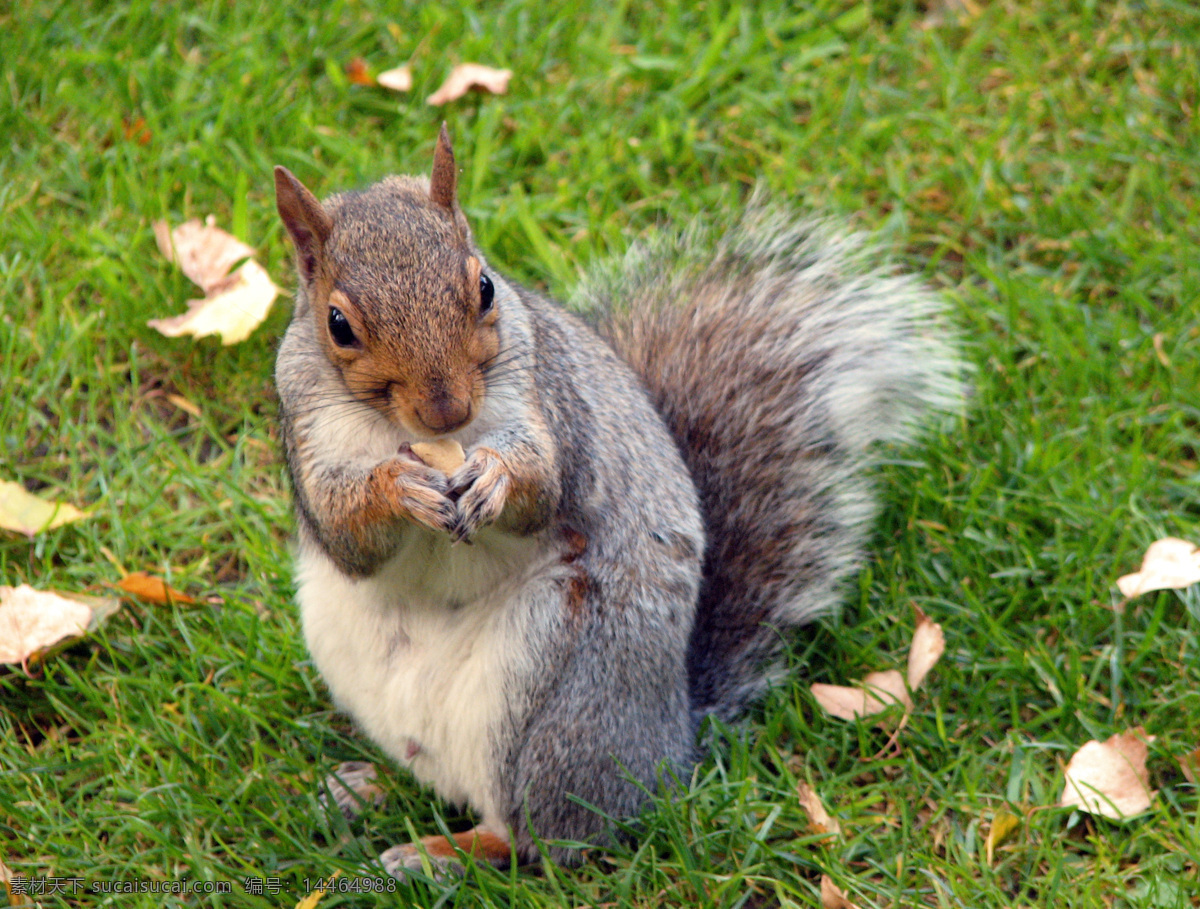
{"type": "Point", "coordinates": [1038, 162]}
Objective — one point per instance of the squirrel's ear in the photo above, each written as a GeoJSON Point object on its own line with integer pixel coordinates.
{"type": "Point", "coordinates": [306, 221]}
{"type": "Point", "coordinates": [443, 184]}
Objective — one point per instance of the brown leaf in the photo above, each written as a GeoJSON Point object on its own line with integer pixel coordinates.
{"type": "Point", "coordinates": [1190, 765]}
{"type": "Point", "coordinates": [136, 130]}
{"type": "Point", "coordinates": [398, 80]}
{"type": "Point", "coordinates": [34, 621]}
{"type": "Point", "coordinates": [467, 76]}
{"type": "Point", "coordinates": [819, 820]}
{"type": "Point", "coordinates": [928, 645]}
{"type": "Point", "coordinates": [1168, 564]}
{"type": "Point", "coordinates": [148, 587]}
{"type": "Point", "coordinates": [203, 251]}
{"type": "Point", "coordinates": [15, 900]}
{"type": "Point", "coordinates": [874, 694]}
{"type": "Point", "coordinates": [357, 72]}
{"type": "Point", "coordinates": [1109, 778]}
{"type": "Point", "coordinates": [832, 896]}
{"type": "Point", "coordinates": [23, 512]}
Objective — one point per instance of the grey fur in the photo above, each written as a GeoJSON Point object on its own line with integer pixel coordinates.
{"type": "Point", "coordinates": [779, 355]}
{"type": "Point", "coordinates": [644, 577]}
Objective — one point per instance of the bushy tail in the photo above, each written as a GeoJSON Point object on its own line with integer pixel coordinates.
{"type": "Point", "coordinates": [778, 356]}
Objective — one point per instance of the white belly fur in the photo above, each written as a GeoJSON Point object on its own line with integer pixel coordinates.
{"type": "Point", "coordinates": [416, 654]}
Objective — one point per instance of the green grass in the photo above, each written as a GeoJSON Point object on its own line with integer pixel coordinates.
{"type": "Point", "coordinates": [1039, 161]}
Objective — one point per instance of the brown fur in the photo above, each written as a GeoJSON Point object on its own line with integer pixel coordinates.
{"type": "Point", "coordinates": [396, 490]}
{"type": "Point", "coordinates": [476, 842]}
{"type": "Point", "coordinates": [421, 340]}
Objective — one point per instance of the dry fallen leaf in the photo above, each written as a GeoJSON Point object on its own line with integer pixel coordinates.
{"type": "Point", "coordinates": [874, 694]}
{"type": "Point", "coordinates": [832, 896]}
{"type": "Point", "coordinates": [184, 404]}
{"type": "Point", "coordinates": [203, 251]}
{"type": "Point", "coordinates": [1190, 765]}
{"type": "Point", "coordinates": [14, 899]}
{"type": "Point", "coordinates": [137, 131]}
{"type": "Point", "coordinates": [1109, 778]}
{"type": "Point", "coordinates": [23, 512]}
{"type": "Point", "coordinates": [1167, 565]}
{"type": "Point", "coordinates": [881, 690]}
{"type": "Point", "coordinates": [928, 645]}
{"type": "Point", "coordinates": [446, 455]}
{"type": "Point", "coordinates": [398, 79]}
{"type": "Point", "coordinates": [33, 621]}
{"type": "Point", "coordinates": [148, 587]}
{"type": "Point", "coordinates": [819, 820]}
{"type": "Point", "coordinates": [233, 304]}
{"type": "Point", "coordinates": [313, 899]}
{"type": "Point", "coordinates": [467, 76]}
{"type": "Point", "coordinates": [358, 73]}
{"type": "Point", "coordinates": [1004, 825]}
{"type": "Point", "coordinates": [236, 307]}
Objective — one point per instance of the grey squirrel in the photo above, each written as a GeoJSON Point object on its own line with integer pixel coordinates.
{"type": "Point", "coordinates": [646, 503]}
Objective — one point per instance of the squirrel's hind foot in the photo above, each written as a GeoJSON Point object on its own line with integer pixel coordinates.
{"type": "Point", "coordinates": [351, 788]}
{"type": "Point", "coordinates": [444, 855]}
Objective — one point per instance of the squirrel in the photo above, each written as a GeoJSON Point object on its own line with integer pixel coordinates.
{"type": "Point", "coordinates": [651, 496]}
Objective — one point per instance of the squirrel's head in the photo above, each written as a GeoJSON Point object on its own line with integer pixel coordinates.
{"type": "Point", "coordinates": [403, 307]}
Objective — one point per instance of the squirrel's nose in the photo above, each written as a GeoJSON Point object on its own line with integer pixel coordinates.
{"type": "Point", "coordinates": [443, 412]}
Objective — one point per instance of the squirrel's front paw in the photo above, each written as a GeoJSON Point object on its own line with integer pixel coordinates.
{"type": "Point", "coordinates": [419, 493]}
{"type": "Point", "coordinates": [481, 485]}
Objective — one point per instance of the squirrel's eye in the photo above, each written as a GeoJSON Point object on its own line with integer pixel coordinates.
{"type": "Point", "coordinates": [486, 294]}
{"type": "Point", "coordinates": [339, 328]}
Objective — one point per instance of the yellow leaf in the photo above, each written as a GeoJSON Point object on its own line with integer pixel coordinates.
{"type": "Point", "coordinates": [235, 308]}
{"type": "Point", "coordinates": [1003, 827]}
{"type": "Point", "coordinates": [23, 512]}
{"type": "Point", "coordinates": [310, 901]}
